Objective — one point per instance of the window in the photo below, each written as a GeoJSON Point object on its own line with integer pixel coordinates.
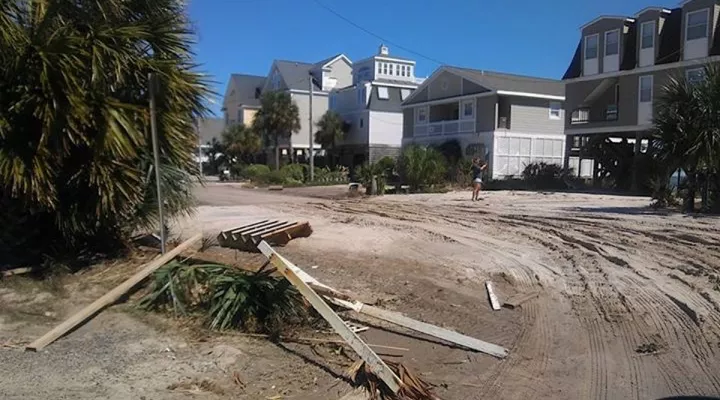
{"type": "Point", "coordinates": [404, 93]}
{"type": "Point", "coordinates": [385, 69]}
{"type": "Point", "coordinates": [591, 47]}
{"type": "Point", "coordinates": [646, 83]}
{"type": "Point", "coordinates": [647, 32]}
{"type": "Point", "coordinates": [383, 93]}
{"type": "Point", "coordinates": [696, 25]}
{"type": "Point", "coordinates": [402, 70]}
{"type": "Point", "coordinates": [555, 107]}
{"type": "Point", "coordinates": [695, 75]}
{"type": "Point", "coordinates": [580, 115]}
{"type": "Point", "coordinates": [611, 112]}
{"type": "Point", "coordinates": [612, 43]}
{"type": "Point", "coordinates": [379, 68]}
{"type": "Point", "coordinates": [468, 109]}
{"type": "Point", "coordinates": [617, 94]}
{"type": "Point", "coordinates": [361, 122]}
{"type": "Point", "coordinates": [392, 69]}
{"type": "Point", "coordinates": [421, 115]}
{"type": "Point", "coordinates": [362, 96]}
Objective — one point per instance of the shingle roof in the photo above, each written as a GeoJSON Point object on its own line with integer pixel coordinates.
{"type": "Point", "coordinates": [395, 82]}
{"type": "Point", "coordinates": [245, 87]}
{"type": "Point", "coordinates": [295, 74]}
{"type": "Point", "coordinates": [509, 82]}
{"type": "Point", "coordinates": [327, 60]}
{"type": "Point", "coordinates": [392, 104]}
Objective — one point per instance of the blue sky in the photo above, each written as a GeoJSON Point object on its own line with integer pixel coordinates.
{"type": "Point", "coordinates": [527, 37]}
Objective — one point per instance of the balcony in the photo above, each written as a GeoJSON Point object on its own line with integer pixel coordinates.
{"type": "Point", "coordinates": [444, 119]}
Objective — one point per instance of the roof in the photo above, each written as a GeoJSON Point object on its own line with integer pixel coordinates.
{"type": "Point", "coordinates": [392, 104]}
{"type": "Point", "coordinates": [245, 86]}
{"type": "Point", "coordinates": [652, 8]}
{"type": "Point", "coordinates": [511, 83]}
{"type": "Point", "coordinates": [326, 61]}
{"type": "Point", "coordinates": [395, 82]}
{"type": "Point", "coordinates": [210, 128]}
{"type": "Point", "coordinates": [295, 74]}
{"type": "Point", "coordinates": [618, 17]}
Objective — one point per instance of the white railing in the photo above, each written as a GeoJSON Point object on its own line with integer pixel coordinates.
{"type": "Point", "coordinates": [445, 128]}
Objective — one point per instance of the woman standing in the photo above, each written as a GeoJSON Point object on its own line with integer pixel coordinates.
{"type": "Point", "coordinates": [477, 169]}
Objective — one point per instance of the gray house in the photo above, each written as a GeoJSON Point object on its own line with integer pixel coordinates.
{"type": "Point", "coordinates": [620, 66]}
{"type": "Point", "coordinates": [372, 106]}
{"type": "Point", "coordinates": [508, 120]}
{"type": "Point", "coordinates": [242, 97]}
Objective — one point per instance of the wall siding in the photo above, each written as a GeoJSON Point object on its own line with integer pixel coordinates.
{"type": "Point", "coordinates": [320, 106]}
{"type": "Point", "coordinates": [385, 128]}
{"type": "Point", "coordinates": [445, 85]}
{"type": "Point", "coordinates": [533, 115]}
{"type": "Point", "coordinates": [342, 71]}
{"type": "Point", "coordinates": [485, 113]}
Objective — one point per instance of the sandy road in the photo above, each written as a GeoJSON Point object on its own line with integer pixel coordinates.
{"type": "Point", "coordinates": [613, 276]}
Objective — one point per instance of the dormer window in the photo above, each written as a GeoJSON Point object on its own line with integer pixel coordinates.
{"type": "Point", "coordinates": [591, 47]}
{"type": "Point", "coordinates": [612, 44]}
{"type": "Point", "coordinates": [697, 25]}
{"type": "Point", "coordinates": [647, 32]}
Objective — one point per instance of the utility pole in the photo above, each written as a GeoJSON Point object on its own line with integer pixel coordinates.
{"type": "Point", "coordinates": [197, 130]}
{"type": "Point", "coordinates": [311, 150]}
{"type": "Point", "coordinates": [153, 87]}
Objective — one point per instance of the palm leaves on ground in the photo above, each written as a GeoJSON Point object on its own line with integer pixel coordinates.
{"type": "Point", "coordinates": [685, 126]}
{"type": "Point", "coordinates": [73, 108]}
{"type": "Point", "coordinates": [277, 119]}
{"type": "Point", "coordinates": [232, 298]}
{"type": "Point", "coordinates": [241, 142]}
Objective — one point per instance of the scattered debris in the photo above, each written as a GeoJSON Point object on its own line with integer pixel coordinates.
{"type": "Point", "coordinates": [517, 300]}
{"type": "Point", "coordinates": [275, 187]}
{"type": "Point", "coordinates": [493, 298]}
{"type": "Point", "coordinates": [356, 328]}
{"type": "Point", "coordinates": [648, 348]}
{"type": "Point", "coordinates": [110, 297]}
{"type": "Point", "coordinates": [16, 271]}
{"type": "Point", "coordinates": [197, 386]}
{"type": "Point", "coordinates": [412, 387]}
{"type": "Point", "coordinates": [274, 232]}
{"type": "Point", "coordinates": [374, 362]}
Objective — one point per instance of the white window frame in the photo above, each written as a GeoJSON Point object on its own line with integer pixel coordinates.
{"type": "Point", "coordinates": [404, 94]}
{"type": "Point", "coordinates": [597, 46]}
{"type": "Point", "coordinates": [579, 118]}
{"type": "Point", "coordinates": [385, 68]}
{"type": "Point", "coordinates": [379, 68]}
{"type": "Point", "coordinates": [605, 45]}
{"type": "Point", "coordinates": [640, 81]}
{"type": "Point", "coordinates": [691, 70]}
{"type": "Point", "coordinates": [462, 109]}
{"type": "Point", "coordinates": [707, 23]}
{"type": "Point", "coordinates": [418, 112]}
{"type": "Point", "coordinates": [642, 30]}
{"type": "Point", "coordinates": [411, 71]}
{"type": "Point", "coordinates": [383, 93]}
{"type": "Point", "coordinates": [555, 112]}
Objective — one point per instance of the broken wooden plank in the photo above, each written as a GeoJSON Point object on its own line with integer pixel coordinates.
{"type": "Point", "coordinates": [283, 236]}
{"type": "Point", "coordinates": [491, 294]}
{"type": "Point", "coordinates": [517, 300]}
{"type": "Point", "coordinates": [374, 362]}
{"type": "Point", "coordinates": [17, 271]}
{"type": "Point", "coordinates": [110, 297]}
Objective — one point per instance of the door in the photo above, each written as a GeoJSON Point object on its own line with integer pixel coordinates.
{"type": "Point", "coordinates": [645, 100]}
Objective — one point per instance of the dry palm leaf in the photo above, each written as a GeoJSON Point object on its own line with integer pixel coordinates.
{"type": "Point", "coordinates": [411, 387]}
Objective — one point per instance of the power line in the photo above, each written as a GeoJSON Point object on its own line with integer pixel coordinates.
{"type": "Point", "coordinates": [369, 32]}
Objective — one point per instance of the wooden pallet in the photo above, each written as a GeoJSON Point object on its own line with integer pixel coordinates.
{"type": "Point", "coordinates": [275, 232]}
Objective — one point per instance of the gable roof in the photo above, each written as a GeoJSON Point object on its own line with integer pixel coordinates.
{"type": "Point", "coordinates": [330, 60]}
{"type": "Point", "coordinates": [295, 74]}
{"type": "Point", "coordinates": [617, 17]}
{"type": "Point", "coordinates": [510, 82]}
{"type": "Point", "coordinates": [242, 89]}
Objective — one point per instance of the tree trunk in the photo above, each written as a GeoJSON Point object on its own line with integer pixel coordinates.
{"type": "Point", "coordinates": [277, 154]}
{"type": "Point", "coordinates": [691, 190]}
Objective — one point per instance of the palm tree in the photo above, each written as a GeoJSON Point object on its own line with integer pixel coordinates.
{"type": "Point", "coordinates": [277, 119]}
{"type": "Point", "coordinates": [685, 126]}
{"type": "Point", "coordinates": [241, 142]}
{"type": "Point", "coordinates": [331, 130]}
{"type": "Point", "coordinates": [74, 120]}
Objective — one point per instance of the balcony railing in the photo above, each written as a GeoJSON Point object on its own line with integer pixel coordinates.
{"type": "Point", "coordinates": [444, 128]}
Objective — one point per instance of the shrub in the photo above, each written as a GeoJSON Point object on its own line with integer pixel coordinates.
{"type": "Point", "coordinates": [379, 172]}
{"type": "Point", "coordinates": [421, 166]}
{"type": "Point", "coordinates": [545, 176]}
{"type": "Point", "coordinates": [462, 172]}
{"type": "Point", "coordinates": [276, 177]}
{"type": "Point", "coordinates": [295, 172]}
{"type": "Point", "coordinates": [256, 172]}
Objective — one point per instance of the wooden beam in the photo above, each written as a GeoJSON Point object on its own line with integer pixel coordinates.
{"type": "Point", "coordinates": [110, 297]}
{"type": "Point", "coordinates": [374, 362]}
{"type": "Point", "coordinates": [517, 300]}
{"type": "Point", "coordinates": [491, 294]}
{"type": "Point", "coordinates": [17, 271]}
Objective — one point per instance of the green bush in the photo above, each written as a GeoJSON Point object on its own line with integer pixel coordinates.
{"type": "Point", "coordinates": [276, 177]}
{"type": "Point", "coordinates": [295, 172]}
{"type": "Point", "coordinates": [422, 166]}
{"type": "Point", "coordinates": [255, 172]}
{"type": "Point", "coordinates": [462, 175]}
{"type": "Point", "coordinates": [545, 176]}
{"type": "Point", "coordinates": [379, 171]}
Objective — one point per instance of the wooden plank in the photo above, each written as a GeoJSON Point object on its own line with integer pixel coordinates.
{"type": "Point", "coordinates": [255, 236]}
{"type": "Point", "coordinates": [17, 271]}
{"type": "Point", "coordinates": [374, 362]}
{"type": "Point", "coordinates": [111, 297]}
{"type": "Point", "coordinates": [281, 237]}
{"type": "Point", "coordinates": [248, 226]}
{"type": "Point", "coordinates": [517, 300]}
{"type": "Point", "coordinates": [428, 329]}
{"type": "Point", "coordinates": [491, 294]}
{"type": "Point", "coordinates": [269, 227]}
